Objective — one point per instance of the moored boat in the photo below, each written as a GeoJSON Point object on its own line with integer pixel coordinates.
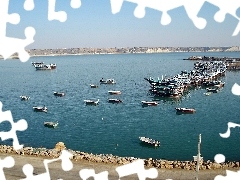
{"type": "Point", "coordinates": [114, 92]}
{"type": "Point", "coordinates": [24, 98]}
{"type": "Point", "coordinates": [107, 81]}
{"type": "Point", "coordinates": [214, 90]}
{"type": "Point", "coordinates": [185, 110]}
{"type": "Point", "coordinates": [150, 141]}
{"type": "Point", "coordinates": [93, 86]}
{"type": "Point", "coordinates": [91, 102]}
{"type": "Point", "coordinates": [114, 101]}
{"type": "Point", "coordinates": [50, 124]}
{"type": "Point", "coordinates": [40, 108]}
{"type": "Point", "coordinates": [149, 103]}
{"type": "Point", "coordinates": [60, 94]}
{"type": "Point", "coordinates": [45, 66]}
{"type": "Point", "coordinates": [37, 63]}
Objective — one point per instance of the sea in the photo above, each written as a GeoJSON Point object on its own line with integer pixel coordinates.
{"type": "Point", "coordinates": [115, 128]}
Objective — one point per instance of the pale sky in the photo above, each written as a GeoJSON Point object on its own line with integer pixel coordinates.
{"type": "Point", "coordinates": [94, 25]}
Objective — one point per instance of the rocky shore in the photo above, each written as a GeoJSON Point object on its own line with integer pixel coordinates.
{"type": "Point", "coordinates": [116, 160]}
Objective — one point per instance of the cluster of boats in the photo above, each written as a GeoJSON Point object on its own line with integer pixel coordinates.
{"type": "Point", "coordinates": [111, 100]}
{"type": "Point", "coordinates": [44, 108]}
{"type": "Point", "coordinates": [204, 74]}
{"type": "Point", "coordinates": [42, 66]}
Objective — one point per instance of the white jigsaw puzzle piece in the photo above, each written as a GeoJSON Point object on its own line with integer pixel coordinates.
{"type": "Point", "coordinates": [21, 125]}
{"type": "Point", "coordinates": [137, 167]}
{"type": "Point", "coordinates": [66, 166]}
{"type": "Point", "coordinates": [230, 175]}
{"type": "Point", "coordinates": [9, 45]}
{"type": "Point", "coordinates": [29, 5]}
{"type": "Point", "coordinates": [192, 9]}
{"type": "Point", "coordinates": [7, 162]}
{"type": "Point", "coordinates": [60, 15]}
{"type": "Point", "coordinates": [87, 173]}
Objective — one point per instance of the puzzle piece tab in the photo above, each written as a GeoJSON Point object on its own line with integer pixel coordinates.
{"type": "Point", "coordinates": [21, 125]}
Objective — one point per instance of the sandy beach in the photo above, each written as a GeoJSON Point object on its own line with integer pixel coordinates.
{"type": "Point", "coordinates": [56, 171]}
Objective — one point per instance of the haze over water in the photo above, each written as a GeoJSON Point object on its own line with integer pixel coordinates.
{"type": "Point", "coordinates": [115, 128]}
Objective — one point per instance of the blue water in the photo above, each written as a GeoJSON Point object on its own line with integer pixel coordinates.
{"type": "Point", "coordinates": [115, 128]}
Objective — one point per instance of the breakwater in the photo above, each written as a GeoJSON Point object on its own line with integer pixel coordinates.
{"type": "Point", "coordinates": [116, 160]}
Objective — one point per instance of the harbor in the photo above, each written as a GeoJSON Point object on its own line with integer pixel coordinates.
{"type": "Point", "coordinates": [115, 128]}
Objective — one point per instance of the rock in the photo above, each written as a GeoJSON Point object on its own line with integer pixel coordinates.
{"type": "Point", "coordinates": [60, 146]}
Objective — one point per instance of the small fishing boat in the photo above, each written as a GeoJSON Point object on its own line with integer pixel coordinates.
{"type": "Point", "coordinates": [149, 103]}
{"type": "Point", "coordinates": [150, 141]}
{"type": "Point", "coordinates": [114, 100]}
{"type": "Point", "coordinates": [37, 63]}
{"type": "Point", "coordinates": [208, 93]}
{"type": "Point", "coordinates": [45, 66]}
{"type": "Point", "coordinates": [114, 92]}
{"type": "Point", "coordinates": [185, 110]}
{"type": "Point", "coordinates": [50, 124]}
{"type": "Point", "coordinates": [93, 86]}
{"type": "Point", "coordinates": [24, 98]}
{"type": "Point", "coordinates": [60, 94]}
{"type": "Point", "coordinates": [40, 108]}
{"type": "Point", "coordinates": [107, 81]}
{"type": "Point", "coordinates": [91, 102]}
{"type": "Point", "coordinates": [214, 90]}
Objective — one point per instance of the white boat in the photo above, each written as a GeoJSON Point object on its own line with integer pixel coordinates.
{"type": "Point", "coordinates": [37, 63]}
{"type": "Point", "coordinates": [107, 81]}
{"type": "Point", "coordinates": [149, 103]}
{"type": "Point", "coordinates": [40, 108]}
{"type": "Point", "coordinates": [45, 66]}
{"type": "Point", "coordinates": [50, 124]}
{"type": "Point", "coordinates": [60, 94]}
{"type": "Point", "coordinates": [114, 101]}
{"type": "Point", "coordinates": [185, 110]}
{"type": "Point", "coordinates": [24, 98]}
{"type": "Point", "coordinates": [114, 92]}
{"type": "Point", "coordinates": [91, 102]}
{"type": "Point", "coordinates": [93, 86]}
{"type": "Point", "coordinates": [150, 141]}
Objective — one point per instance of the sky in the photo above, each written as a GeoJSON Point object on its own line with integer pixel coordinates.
{"type": "Point", "coordinates": [94, 25]}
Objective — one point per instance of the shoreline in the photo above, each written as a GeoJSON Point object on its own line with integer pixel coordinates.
{"type": "Point", "coordinates": [116, 160]}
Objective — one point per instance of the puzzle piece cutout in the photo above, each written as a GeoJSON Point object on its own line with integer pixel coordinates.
{"type": "Point", "coordinates": [60, 15]}
{"type": "Point", "coordinates": [236, 89]}
{"type": "Point", "coordinates": [192, 9]}
{"type": "Point", "coordinates": [230, 175]}
{"type": "Point", "coordinates": [7, 162]}
{"type": "Point", "coordinates": [137, 167]}
{"type": "Point", "coordinates": [9, 45]}
{"type": "Point", "coordinates": [20, 125]}
{"type": "Point", "coordinates": [87, 173]}
{"type": "Point", "coordinates": [66, 166]}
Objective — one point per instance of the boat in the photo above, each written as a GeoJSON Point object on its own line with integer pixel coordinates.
{"type": "Point", "coordinates": [208, 93]}
{"type": "Point", "coordinates": [59, 94]}
{"type": "Point", "coordinates": [214, 90]}
{"type": "Point", "coordinates": [91, 102]}
{"type": "Point", "coordinates": [107, 81]}
{"type": "Point", "coordinates": [45, 66]}
{"type": "Point", "coordinates": [150, 141]}
{"type": "Point", "coordinates": [24, 98]}
{"type": "Point", "coordinates": [40, 108]}
{"type": "Point", "coordinates": [114, 101]}
{"type": "Point", "coordinates": [114, 92]}
{"type": "Point", "coordinates": [185, 110]}
{"type": "Point", "coordinates": [93, 86]}
{"type": "Point", "coordinates": [50, 124]}
{"type": "Point", "coordinates": [149, 103]}
{"type": "Point", "coordinates": [37, 63]}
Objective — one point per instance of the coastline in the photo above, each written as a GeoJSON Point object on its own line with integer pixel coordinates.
{"type": "Point", "coordinates": [99, 163]}
{"type": "Point", "coordinates": [116, 160]}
